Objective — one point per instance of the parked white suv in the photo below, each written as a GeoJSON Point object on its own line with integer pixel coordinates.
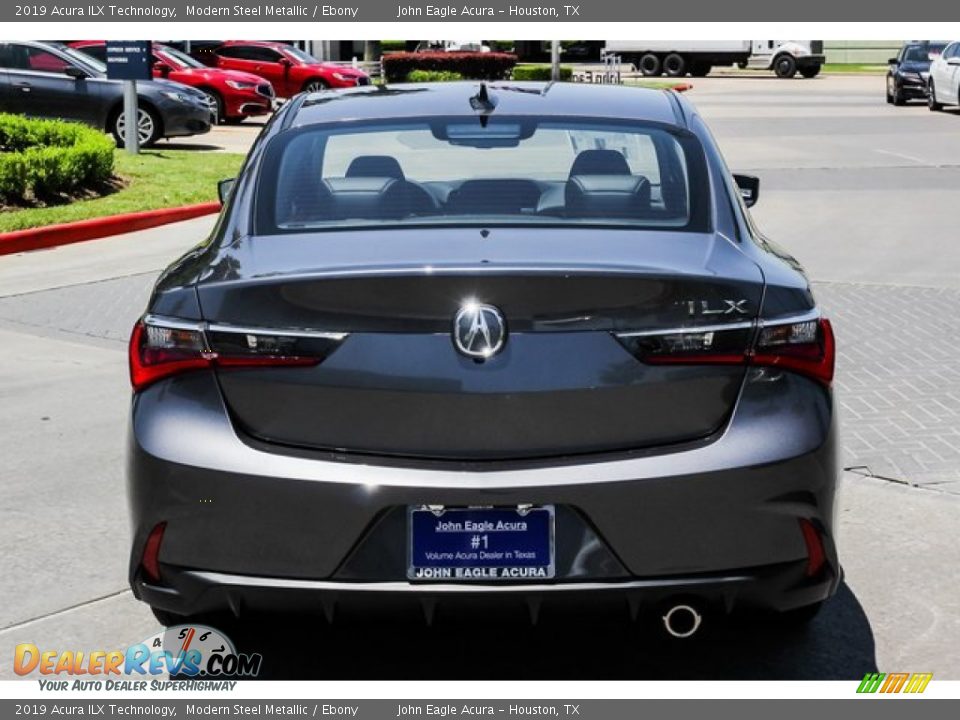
{"type": "Point", "coordinates": [943, 87]}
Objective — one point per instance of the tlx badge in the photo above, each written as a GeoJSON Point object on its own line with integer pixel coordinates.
{"type": "Point", "coordinates": [727, 307]}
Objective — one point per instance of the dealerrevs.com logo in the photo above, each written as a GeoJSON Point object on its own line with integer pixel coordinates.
{"type": "Point", "coordinates": [186, 651]}
{"type": "Point", "coordinates": [894, 682]}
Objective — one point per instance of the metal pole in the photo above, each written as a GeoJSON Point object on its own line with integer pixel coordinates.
{"type": "Point", "coordinates": [131, 116]}
{"type": "Point", "coordinates": [554, 60]}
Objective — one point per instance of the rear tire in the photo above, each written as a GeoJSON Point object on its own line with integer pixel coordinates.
{"type": "Point", "coordinates": [649, 65]}
{"type": "Point", "coordinates": [220, 620]}
{"type": "Point", "coordinates": [675, 65]}
{"type": "Point", "coordinates": [932, 98]}
{"type": "Point", "coordinates": [800, 616]}
{"type": "Point", "coordinates": [169, 619]}
{"type": "Point", "coordinates": [810, 72]}
{"type": "Point", "coordinates": [785, 67]}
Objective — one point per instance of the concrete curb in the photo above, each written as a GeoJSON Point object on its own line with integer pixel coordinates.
{"type": "Point", "coordinates": [63, 234]}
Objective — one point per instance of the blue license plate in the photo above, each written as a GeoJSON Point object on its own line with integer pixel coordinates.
{"type": "Point", "coordinates": [481, 544]}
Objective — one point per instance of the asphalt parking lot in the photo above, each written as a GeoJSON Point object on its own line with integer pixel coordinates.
{"type": "Point", "coordinates": [864, 194]}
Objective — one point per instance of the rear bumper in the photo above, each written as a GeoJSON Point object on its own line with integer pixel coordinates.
{"type": "Point", "coordinates": [250, 528]}
{"type": "Point", "coordinates": [781, 588]}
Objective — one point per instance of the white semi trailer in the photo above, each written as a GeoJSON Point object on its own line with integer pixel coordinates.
{"type": "Point", "coordinates": [677, 59]}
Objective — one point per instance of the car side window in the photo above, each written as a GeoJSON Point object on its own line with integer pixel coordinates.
{"type": "Point", "coordinates": [22, 57]}
{"type": "Point", "coordinates": [237, 53]}
{"type": "Point", "coordinates": [96, 51]}
{"type": "Point", "coordinates": [262, 54]}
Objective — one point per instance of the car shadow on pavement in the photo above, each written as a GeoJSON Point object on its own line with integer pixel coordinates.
{"type": "Point", "coordinates": [838, 644]}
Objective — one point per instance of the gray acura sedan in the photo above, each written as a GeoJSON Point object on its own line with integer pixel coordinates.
{"type": "Point", "coordinates": [515, 342]}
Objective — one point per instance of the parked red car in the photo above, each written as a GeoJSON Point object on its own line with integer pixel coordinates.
{"type": "Point", "coordinates": [290, 69]}
{"type": "Point", "coordinates": [233, 95]}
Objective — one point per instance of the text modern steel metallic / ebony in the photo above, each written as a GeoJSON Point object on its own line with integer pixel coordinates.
{"type": "Point", "coordinates": [510, 341]}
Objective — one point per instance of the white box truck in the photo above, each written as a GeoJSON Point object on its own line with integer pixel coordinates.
{"type": "Point", "coordinates": [678, 58]}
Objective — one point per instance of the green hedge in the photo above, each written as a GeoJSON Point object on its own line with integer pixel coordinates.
{"type": "Point", "coordinates": [471, 65]}
{"type": "Point", "coordinates": [422, 76]}
{"type": "Point", "coordinates": [393, 46]}
{"type": "Point", "coordinates": [540, 72]}
{"type": "Point", "coordinates": [47, 157]}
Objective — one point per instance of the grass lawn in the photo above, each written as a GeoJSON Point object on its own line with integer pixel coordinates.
{"type": "Point", "coordinates": [855, 69]}
{"type": "Point", "coordinates": [656, 84]}
{"type": "Point", "coordinates": [156, 178]}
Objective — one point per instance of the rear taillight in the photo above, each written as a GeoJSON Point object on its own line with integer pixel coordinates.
{"type": "Point", "coordinates": [802, 345]}
{"type": "Point", "coordinates": [816, 554]}
{"type": "Point", "coordinates": [805, 347]}
{"type": "Point", "coordinates": [150, 560]}
{"type": "Point", "coordinates": [162, 347]}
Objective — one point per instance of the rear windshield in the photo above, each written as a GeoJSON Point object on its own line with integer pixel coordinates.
{"type": "Point", "coordinates": [456, 171]}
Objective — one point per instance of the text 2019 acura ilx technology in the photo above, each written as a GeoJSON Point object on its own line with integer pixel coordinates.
{"type": "Point", "coordinates": [511, 341]}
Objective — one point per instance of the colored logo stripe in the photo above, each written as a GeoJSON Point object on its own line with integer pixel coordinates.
{"type": "Point", "coordinates": [894, 682]}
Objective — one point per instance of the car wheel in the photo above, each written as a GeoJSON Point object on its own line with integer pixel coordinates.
{"type": "Point", "coordinates": [169, 619]}
{"type": "Point", "coordinates": [810, 72]}
{"type": "Point", "coordinates": [148, 127]}
{"type": "Point", "coordinates": [220, 620]}
{"type": "Point", "coordinates": [216, 106]}
{"type": "Point", "coordinates": [785, 67]}
{"type": "Point", "coordinates": [932, 99]}
{"type": "Point", "coordinates": [889, 91]}
{"type": "Point", "coordinates": [315, 85]}
{"type": "Point", "coordinates": [700, 69]}
{"type": "Point", "coordinates": [898, 98]}
{"type": "Point", "coordinates": [649, 65]}
{"type": "Point", "coordinates": [800, 616]}
{"type": "Point", "coordinates": [675, 65]}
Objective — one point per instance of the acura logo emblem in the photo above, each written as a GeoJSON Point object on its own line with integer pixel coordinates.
{"type": "Point", "coordinates": [479, 331]}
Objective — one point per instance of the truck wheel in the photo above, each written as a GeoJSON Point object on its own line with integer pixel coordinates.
{"type": "Point", "coordinates": [649, 65]}
{"type": "Point", "coordinates": [700, 68]}
{"type": "Point", "coordinates": [785, 67]}
{"type": "Point", "coordinates": [675, 65]}
{"type": "Point", "coordinates": [811, 71]}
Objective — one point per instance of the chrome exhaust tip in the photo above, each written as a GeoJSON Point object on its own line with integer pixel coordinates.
{"type": "Point", "coordinates": [682, 621]}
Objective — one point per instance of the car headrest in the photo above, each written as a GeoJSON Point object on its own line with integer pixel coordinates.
{"type": "Point", "coordinates": [599, 162]}
{"type": "Point", "coordinates": [609, 196]}
{"type": "Point", "coordinates": [375, 166]}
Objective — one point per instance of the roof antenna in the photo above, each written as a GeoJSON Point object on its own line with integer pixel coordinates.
{"type": "Point", "coordinates": [483, 101]}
